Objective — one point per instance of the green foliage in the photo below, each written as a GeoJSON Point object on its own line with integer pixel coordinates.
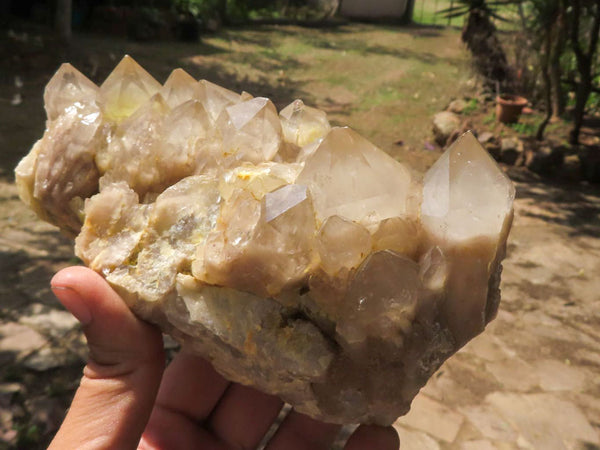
{"type": "Point", "coordinates": [524, 128]}
{"type": "Point", "coordinates": [196, 8]}
{"type": "Point", "coordinates": [490, 8]}
{"type": "Point", "coordinates": [228, 10]}
{"type": "Point", "coordinates": [471, 107]}
{"type": "Point", "coordinates": [489, 119]}
{"type": "Point", "coordinates": [28, 436]}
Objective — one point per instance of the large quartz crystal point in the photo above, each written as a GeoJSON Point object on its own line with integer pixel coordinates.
{"type": "Point", "coordinates": [60, 171]}
{"type": "Point", "coordinates": [68, 88]}
{"type": "Point", "coordinates": [467, 211]}
{"type": "Point", "coordinates": [216, 98]}
{"type": "Point", "coordinates": [127, 88]}
{"type": "Point", "coordinates": [179, 88]}
{"type": "Point", "coordinates": [251, 130]}
{"type": "Point", "coordinates": [381, 299]}
{"type": "Point", "coordinates": [260, 246]}
{"type": "Point", "coordinates": [303, 125]}
{"type": "Point", "coordinates": [134, 153]}
{"type": "Point", "coordinates": [351, 178]}
{"type": "Point", "coordinates": [342, 244]}
{"type": "Point", "coordinates": [188, 143]}
{"type": "Point", "coordinates": [400, 234]}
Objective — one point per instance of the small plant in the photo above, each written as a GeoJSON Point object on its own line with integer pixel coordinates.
{"type": "Point", "coordinates": [490, 118]}
{"type": "Point", "coordinates": [488, 8]}
{"type": "Point", "coordinates": [524, 128]}
{"type": "Point", "coordinates": [28, 436]}
{"type": "Point", "coordinates": [480, 36]}
{"type": "Point", "coordinates": [471, 106]}
{"type": "Point", "coordinates": [204, 10]}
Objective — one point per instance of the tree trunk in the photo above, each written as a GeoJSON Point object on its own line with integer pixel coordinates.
{"type": "Point", "coordinates": [557, 49]}
{"type": "Point", "coordinates": [581, 97]}
{"type": "Point", "coordinates": [222, 12]}
{"type": "Point", "coordinates": [545, 67]}
{"type": "Point", "coordinates": [558, 101]}
{"type": "Point", "coordinates": [63, 17]}
{"type": "Point", "coordinates": [479, 35]}
{"type": "Point", "coordinates": [407, 17]}
{"type": "Point", "coordinates": [584, 62]}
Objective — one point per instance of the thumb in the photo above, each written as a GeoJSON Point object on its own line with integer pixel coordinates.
{"type": "Point", "coordinates": [119, 384]}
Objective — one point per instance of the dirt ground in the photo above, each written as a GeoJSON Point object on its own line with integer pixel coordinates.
{"type": "Point", "coordinates": [532, 380]}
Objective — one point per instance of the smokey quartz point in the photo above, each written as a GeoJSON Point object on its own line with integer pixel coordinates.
{"type": "Point", "coordinates": [298, 258]}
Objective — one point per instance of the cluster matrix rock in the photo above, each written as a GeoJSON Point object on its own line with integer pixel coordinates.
{"type": "Point", "coordinates": [296, 257]}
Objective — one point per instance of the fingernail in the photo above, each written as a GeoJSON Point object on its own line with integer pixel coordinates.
{"type": "Point", "coordinates": [71, 300]}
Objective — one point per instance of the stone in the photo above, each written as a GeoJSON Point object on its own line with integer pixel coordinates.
{"type": "Point", "coordinates": [572, 169]}
{"type": "Point", "coordinates": [557, 376]}
{"type": "Point", "coordinates": [511, 150]}
{"type": "Point", "coordinates": [491, 425]}
{"type": "Point", "coordinates": [543, 420]}
{"type": "Point", "coordinates": [545, 161]}
{"type": "Point", "coordinates": [8, 432]}
{"type": "Point", "coordinates": [514, 374]}
{"type": "Point", "coordinates": [485, 137]}
{"type": "Point", "coordinates": [45, 411]}
{"type": "Point", "coordinates": [480, 444]}
{"type": "Point", "coordinates": [19, 340]}
{"type": "Point", "coordinates": [415, 440]}
{"type": "Point", "coordinates": [457, 106]}
{"type": "Point", "coordinates": [433, 418]}
{"type": "Point", "coordinates": [489, 348]}
{"type": "Point", "coordinates": [298, 258]}
{"type": "Point", "coordinates": [590, 163]}
{"type": "Point", "coordinates": [53, 322]}
{"type": "Point", "coordinates": [48, 358]}
{"type": "Point", "coordinates": [445, 123]}
{"type": "Point", "coordinates": [493, 148]}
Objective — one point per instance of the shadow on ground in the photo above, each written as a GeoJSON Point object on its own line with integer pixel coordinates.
{"type": "Point", "coordinates": [573, 205]}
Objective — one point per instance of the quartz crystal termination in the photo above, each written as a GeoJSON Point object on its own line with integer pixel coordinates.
{"type": "Point", "coordinates": [298, 258]}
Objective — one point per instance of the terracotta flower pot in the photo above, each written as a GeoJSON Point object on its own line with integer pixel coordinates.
{"type": "Point", "coordinates": [509, 108]}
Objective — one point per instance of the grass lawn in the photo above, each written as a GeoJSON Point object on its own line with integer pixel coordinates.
{"type": "Point", "coordinates": [386, 82]}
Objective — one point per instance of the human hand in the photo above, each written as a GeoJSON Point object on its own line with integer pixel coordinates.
{"type": "Point", "coordinates": [125, 401]}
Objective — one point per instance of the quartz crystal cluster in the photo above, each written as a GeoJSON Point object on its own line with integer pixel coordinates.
{"type": "Point", "coordinates": [297, 257]}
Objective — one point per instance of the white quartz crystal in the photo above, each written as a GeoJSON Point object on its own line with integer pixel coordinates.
{"type": "Point", "coordinates": [464, 193]}
{"type": "Point", "coordinates": [298, 258]}
{"type": "Point", "coordinates": [127, 88]}
{"type": "Point", "coordinates": [351, 178]}
{"type": "Point", "coordinates": [179, 88]}
{"type": "Point", "coordinates": [303, 125]}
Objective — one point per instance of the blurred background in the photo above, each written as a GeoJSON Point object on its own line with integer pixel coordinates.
{"type": "Point", "coordinates": [411, 76]}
